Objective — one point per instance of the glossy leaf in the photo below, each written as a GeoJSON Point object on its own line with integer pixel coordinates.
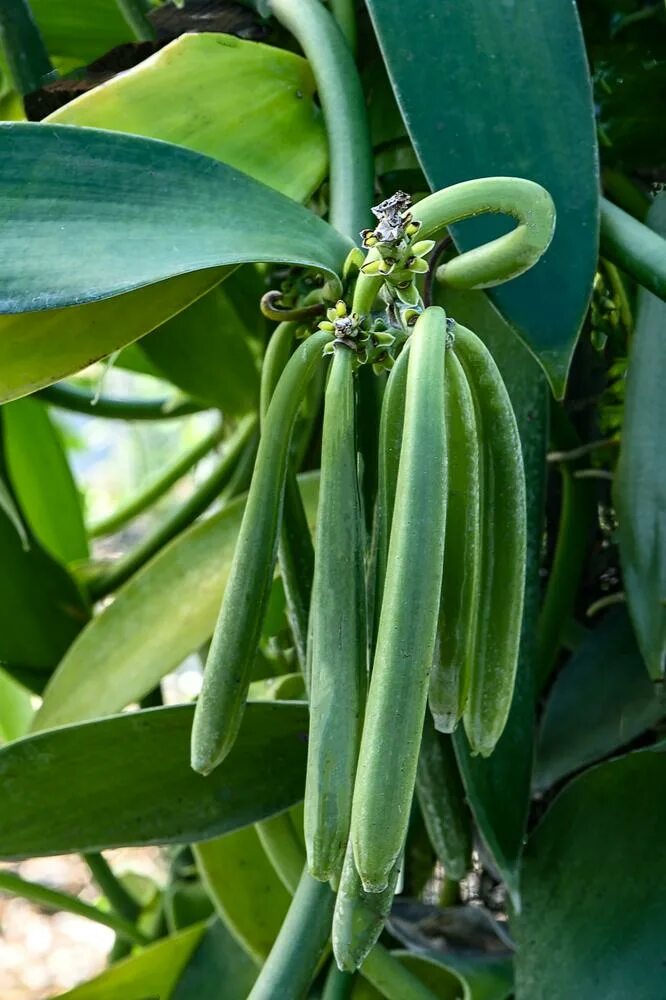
{"type": "Point", "coordinates": [512, 81]}
{"type": "Point", "coordinates": [162, 211]}
{"type": "Point", "coordinates": [11, 511]}
{"type": "Point", "coordinates": [165, 612]}
{"type": "Point", "coordinates": [204, 351]}
{"type": "Point", "coordinates": [600, 701]}
{"type": "Point", "coordinates": [592, 923]}
{"type": "Point", "coordinates": [41, 609]}
{"type": "Point", "coordinates": [15, 709]}
{"type": "Point", "coordinates": [217, 960]}
{"type": "Point", "coordinates": [248, 895]}
{"type": "Point", "coordinates": [39, 348]}
{"type": "Point", "coordinates": [153, 972]}
{"type": "Point", "coordinates": [43, 481]}
{"type": "Point", "coordinates": [127, 780]}
{"type": "Point", "coordinates": [442, 982]}
{"type": "Point", "coordinates": [501, 817]}
{"type": "Point", "coordinates": [230, 99]}
{"type": "Point", "coordinates": [77, 33]}
{"type": "Point", "coordinates": [640, 483]}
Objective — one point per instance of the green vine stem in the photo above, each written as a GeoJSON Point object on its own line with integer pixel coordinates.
{"type": "Point", "coordinates": [147, 497]}
{"type": "Point", "coordinates": [300, 945]}
{"type": "Point", "coordinates": [344, 14]}
{"type": "Point", "coordinates": [72, 397]}
{"type": "Point", "coordinates": [577, 511]}
{"type": "Point", "coordinates": [222, 476]}
{"type": "Point", "coordinates": [343, 105]}
{"type": "Point", "coordinates": [636, 249]}
{"type": "Point", "coordinates": [501, 259]}
{"type": "Point", "coordinates": [51, 898]}
{"type": "Point", "coordinates": [134, 12]}
{"type": "Point", "coordinates": [119, 899]}
{"type": "Point", "coordinates": [625, 193]}
{"type": "Point", "coordinates": [391, 978]}
{"type": "Point", "coordinates": [23, 46]}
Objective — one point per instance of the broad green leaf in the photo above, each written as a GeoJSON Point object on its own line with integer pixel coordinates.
{"type": "Point", "coordinates": [593, 914]}
{"type": "Point", "coordinates": [153, 972]}
{"type": "Point", "coordinates": [16, 711]}
{"type": "Point", "coordinates": [41, 609]}
{"type": "Point", "coordinates": [43, 481]}
{"type": "Point", "coordinates": [510, 81]}
{"type": "Point", "coordinates": [204, 351]}
{"type": "Point", "coordinates": [217, 961]}
{"type": "Point", "coordinates": [501, 817]}
{"type": "Point", "coordinates": [248, 895]}
{"type": "Point", "coordinates": [443, 982]}
{"type": "Point", "coordinates": [600, 701]}
{"type": "Point", "coordinates": [165, 612]}
{"type": "Point", "coordinates": [161, 211]}
{"type": "Point", "coordinates": [11, 511]}
{"type": "Point", "coordinates": [43, 347]}
{"type": "Point", "coordinates": [77, 33]}
{"type": "Point", "coordinates": [39, 348]}
{"type": "Point", "coordinates": [640, 483]}
{"type": "Point", "coordinates": [127, 781]}
{"type": "Point", "coordinates": [234, 100]}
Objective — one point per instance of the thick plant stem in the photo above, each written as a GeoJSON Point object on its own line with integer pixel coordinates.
{"type": "Point", "coordinates": [147, 497]}
{"type": "Point", "coordinates": [73, 397]}
{"type": "Point", "coordinates": [9, 882]}
{"type": "Point", "coordinates": [338, 984]}
{"type": "Point", "coordinates": [23, 46]}
{"type": "Point", "coordinates": [344, 14]}
{"type": "Point", "coordinates": [119, 899]}
{"type": "Point", "coordinates": [200, 500]}
{"type": "Point", "coordinates": [636, 249]}
{"type": "Point", "coordinates": [134, 12]}
{"type": "Point", "coordinates": [300, 945]}
{"type": "Point", "coordinates": [576, 515]}
{"type": "Point", "coordinates": [343, 104]}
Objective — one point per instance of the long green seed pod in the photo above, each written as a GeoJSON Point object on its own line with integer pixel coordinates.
{"type": "Point", "coordinates": [494, 655]}
{"type": "Point", "coordinates": [442, 801]}
{"type": "Point", "coordinates": [449, 680]}
{"type": "Point", "coordinates": [228, 668]}
{"type": "Point", "coordinates": [408, 621]}
{"type": "Point", "coordinates": [390, 443]}
{"type": "Point", "coordinates": [338, 632]}
{"type": "Point", "coordinates": [359, 916]}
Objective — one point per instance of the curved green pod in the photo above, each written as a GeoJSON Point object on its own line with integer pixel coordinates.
{"type": "Point", "coordinates": [449, 681]}
{"type": "Point", "coordinates": [408, 621]}
{"type": "Point", "coordinates": [494, 653]}
{"type": "Point", "coordinates": [359, 916]}
{"type": "Point", "coordinates": [338, 631]}
{"type": "Point", "coordinates": [442, 801]}
{"type": "Point", "coordinates": [228, 667]}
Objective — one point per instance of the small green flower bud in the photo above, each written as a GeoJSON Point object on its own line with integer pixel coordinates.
{"type": "Point", "coordinates": [422, 248]}
{"type": "Point", "coordinates": [418, 266]}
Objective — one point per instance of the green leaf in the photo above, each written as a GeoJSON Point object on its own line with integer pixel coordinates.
{"type": "Point", "coordinates": [78, 33]}
{"type": "Point", "coordinates": [41, 609]}
{"type": "Point", "coordinates": [39, 348]}
{"type": "Point", "coordinates": [204, 350]}
{"type": "Point", "coordinates": [43, 481]}
{"type": "Point", "coordinates": [592, 923]}
{"type": "Point", "coordinates": [513, 82]}
{"type": "Point", "coordinates": [153, 972]}
{"type": "Point", "coordinates": [600, 701]}
{"type": "Point", "coordinates": [162, 614]}
{"type": "Point", "coordinates": [500, 817]}
{"type": "Point", "coordinates": [162, 211]}
{"type": "Point", "coordinates": [233, 100]}
{"type": "Point", "coordinates": [247, 893]}
{"type": "Point", "coordinates": [11, 511]}
{"type": "Point", "coordinates": [15, 708]}
{"type": "Point", "coordinates": [127, 780]}
{"type": "Point", "coordinates": [218, 960]}
{"type": "Point", "coordinates": [640, 482]}
{"type": "Point", "coordinates": [443, 983]}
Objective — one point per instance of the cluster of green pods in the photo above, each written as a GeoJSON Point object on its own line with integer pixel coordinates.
{"type": "Point", "coordinates": [418, 604]}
